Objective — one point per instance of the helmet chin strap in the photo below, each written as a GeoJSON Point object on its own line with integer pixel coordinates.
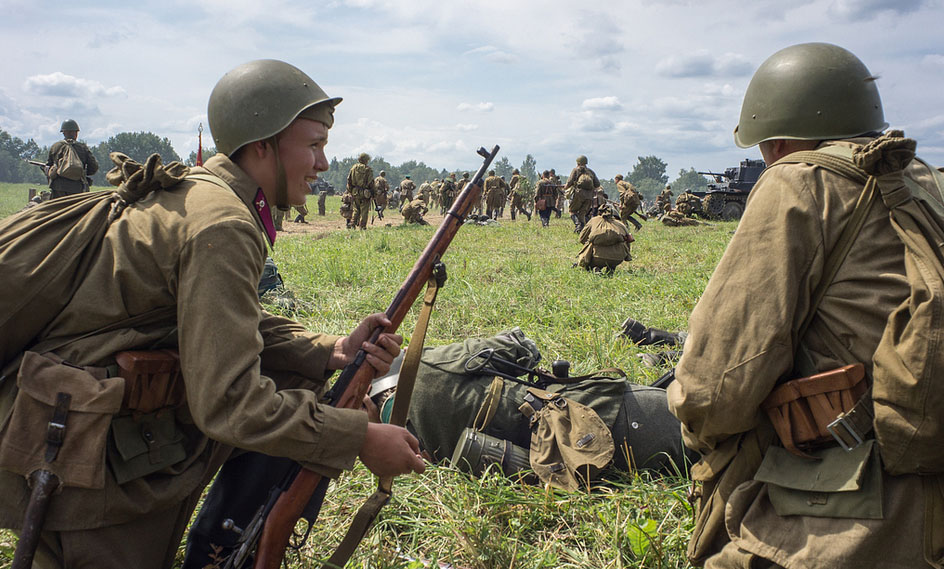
{"type": "Point", "coordinates": [281, 187]}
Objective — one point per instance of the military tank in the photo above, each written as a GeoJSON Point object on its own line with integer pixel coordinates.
{"type": "Point", "coordinates": [725, 199]}
{"type": "Point", "coordinates": [318, 185]}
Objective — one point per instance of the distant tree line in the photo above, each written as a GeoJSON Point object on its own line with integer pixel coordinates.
{"type": "Point", "coordinates": [648, 173]}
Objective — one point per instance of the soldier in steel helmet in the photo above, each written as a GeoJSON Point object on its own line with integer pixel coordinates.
{"type": "Point", "coordinates": [360, 186]}
{"type": "Point", "coordinates": [447, 192]}
{"type": "Point", "coordinates": [181, 270]}
{"type": "Point", "coordinates": [605, 242]}
{"type": "Point", "coordinates": [63, 181]}
{"type": "Point", "coordinates": [407, 187]}
{"type": "Point", "coordinates": [580, 188]}
{"type": "Point", "coordinates": [381, 191]}
{"type": "Point", "coordinates": [761, 320]}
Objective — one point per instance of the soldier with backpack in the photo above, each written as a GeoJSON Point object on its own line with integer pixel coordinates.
{"type": "Point", "coordinates": [580, 188]}
{"type": "Point", "coordinates": [158, 359]}
{"type": "Point", "coordinates": [819, 424]}
{"type": "Point", "coordinates": [69, 163]}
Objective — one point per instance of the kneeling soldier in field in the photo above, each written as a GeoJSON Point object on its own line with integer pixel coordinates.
{"type": "Point", "coordinates": [179, 269]}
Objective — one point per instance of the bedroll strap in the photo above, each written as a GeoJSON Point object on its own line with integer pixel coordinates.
{"type": "Point", "coordinates": [368, 512]}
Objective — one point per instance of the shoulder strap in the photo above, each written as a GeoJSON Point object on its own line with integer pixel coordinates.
{"type": "Point", "coordinates": [833, 158]}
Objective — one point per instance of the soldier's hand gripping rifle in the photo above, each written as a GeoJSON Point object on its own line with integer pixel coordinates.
{"type": "Point", "coordinates": [271, 528]}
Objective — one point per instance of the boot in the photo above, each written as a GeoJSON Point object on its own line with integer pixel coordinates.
{"type": "Point", "coordinates": [634, 330]}
{"type": "Point", "coordinates": [528, 214]}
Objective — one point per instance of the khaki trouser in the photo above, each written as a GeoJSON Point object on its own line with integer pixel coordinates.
{"type": "Point", "coordinates": [361, 212]}
{"type": "Point", "coordinates": [733, 557]}
{"type": "Point", "coordinates": [149, 542]}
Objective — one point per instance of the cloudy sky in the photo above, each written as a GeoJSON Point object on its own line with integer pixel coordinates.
{"type": "Point", "coordinates": [432, 80]}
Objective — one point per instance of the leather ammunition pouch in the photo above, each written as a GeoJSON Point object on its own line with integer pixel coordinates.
{"type": "Point", "coordinates": [152, 380]}
{"type": "Point", "coordinates": [810, 412]}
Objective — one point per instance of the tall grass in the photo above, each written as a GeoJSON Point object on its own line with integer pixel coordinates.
{"type": "Point", "coordinates": [514, 274]}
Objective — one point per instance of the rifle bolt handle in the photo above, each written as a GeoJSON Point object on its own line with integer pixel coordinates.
{"type": "Point", "coordinates": [230, 525]}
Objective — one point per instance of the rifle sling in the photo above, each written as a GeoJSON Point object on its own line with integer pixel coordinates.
{"type": "Point", "coordinates": [368, 512]}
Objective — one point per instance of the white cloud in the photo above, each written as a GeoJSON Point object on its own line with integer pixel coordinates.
{"type": "Point", "coordinates": [857, 10]}
{"type": "Point", "coordinates": [610, 103]}
{"type": "Point", "coordinates": [59, 84]}
{"type": "Point", "coordinates": [466, 127]}
{"type": "Point", "coordinates": [479, 107]}
{"type": "Point", "coordinates": [933, 60]}
{"type": "Point", "coordinates": [704, 64]}
{"type": "Point", "coordinates": [493, 54]}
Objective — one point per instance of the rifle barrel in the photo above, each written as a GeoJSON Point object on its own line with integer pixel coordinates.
{"type": "Point", "coordinates": [351, 386]}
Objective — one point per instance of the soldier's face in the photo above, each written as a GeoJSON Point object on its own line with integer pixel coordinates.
{"type": "Point", "coordinates": [301, 150]}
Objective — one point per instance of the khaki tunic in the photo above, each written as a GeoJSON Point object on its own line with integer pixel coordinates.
{"type": "Point", "coordinates": [606, 243]}
{"type": "Point", "coordinates": [200, 248]}
{"type": "Point", "coordinates": [743, 337]}
{"type": "Point", "coordinates": [62, 186]}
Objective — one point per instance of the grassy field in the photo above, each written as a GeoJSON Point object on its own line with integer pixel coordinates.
{"type": "Point", "coordinates": [515, 274]}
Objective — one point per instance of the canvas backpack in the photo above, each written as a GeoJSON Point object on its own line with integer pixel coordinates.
{"type": "Point", "coordinates": [585, 181]}
{"type": "Point", "coordinates": [46, 250]}
{"type": "Point", "coordinates": [906, 400]}
{"type": "Point", "coordinates": [448, 398]}
{"type": "Point", "coordinates": [70, 165]}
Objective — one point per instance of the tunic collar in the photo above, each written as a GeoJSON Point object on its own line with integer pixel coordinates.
{"type": "Point", "coordinates": [246, 189]}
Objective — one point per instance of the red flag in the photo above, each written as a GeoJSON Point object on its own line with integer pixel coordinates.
{"type": "Point", "coordinates": [200, 145]}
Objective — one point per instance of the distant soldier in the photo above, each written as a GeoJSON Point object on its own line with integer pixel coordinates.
{"type": "Point", "coordinates": [381, 190]}
{"type": "Point", "coordinates": [424, 191]}
{"type": "Point", "coordinates": [495, 192]}
{"type": "Point", "coordinates": [514, 196]}
{"type": "Point", "coordinates": [675, 218]}
{"type": "Point", "coordinates": [688, 203]}
{"type": "Point", "coordinates": [69, 163]}
{"type": "Point", "coordinates": [434, 188]}
{"type": "Point", "coordinates": [559, 204]}
{"type": "Point", "coordinates": [278, 215]}
{"type": "Point", "coordinates": [347, 209]}
{"type": "Point", "coordinates": [579, 189]}
{"type": "Point", "coordinates": [665, 197]}
{"type": "Point", "coordinates": [406, 189]}
{"type": "Point", "coordinates": [630, 201]}
{"type": "Point", "coordinates": [360, 186]}
{"type": "Point", "coordinates": [414, 211]}
{"type": "Point", "coordinates": [545, 197]}
{"type": "Point", "coordinates": [447, 192]}
{"type": "Point", "coordinates": [322, 198]}
{"type": "Point", "coordinates": [606, 242]}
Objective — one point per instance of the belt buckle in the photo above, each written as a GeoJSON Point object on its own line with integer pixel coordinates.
{"type": "Point", "coordinates": [842, 421]}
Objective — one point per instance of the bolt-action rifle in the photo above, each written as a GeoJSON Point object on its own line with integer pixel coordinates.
{"type": "Point", "coordinates": [273, 525]}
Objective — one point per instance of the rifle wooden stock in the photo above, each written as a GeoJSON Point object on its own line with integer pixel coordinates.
{"type": "Point", "coordinates": [352, 385]}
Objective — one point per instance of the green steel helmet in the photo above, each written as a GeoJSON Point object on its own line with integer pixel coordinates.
{"type": "Point", "coordinates": [383, 173]}
{"type": "Point", "coordinates": [69, 125]}
{"type": "Point", "coordinates": [491, 172]}
{"type": "Point", "coordinates": [259, 99]}
{"type": "Point", "coordinates": [618, 177]}
{"type": "Point", "coordinates": [364, 158]}
{"type": "Point", "coordinates": [407, 176]}
{"type": "Point", "coordinates": [582, 160]}
{"type": "Point", "coordinates": [810, 91]}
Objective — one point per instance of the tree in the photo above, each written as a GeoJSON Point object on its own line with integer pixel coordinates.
{"type": "Point", "coordinates": [650, 167]}
{"type": "Point", "coordinates": [529, 169]}
{"type": "Point", "coordinates": [207, 154]}
{"type": "Point", "coordinates": [649, 188]}
{"type": "Point", "coordinates": [14, 153]}
{"type": "Point", "coordinates": [503, 167]}
{"type": "Point", "coordinates": [137, 145]}
{"type": "Point", "coordinates": [689, 180]}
